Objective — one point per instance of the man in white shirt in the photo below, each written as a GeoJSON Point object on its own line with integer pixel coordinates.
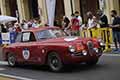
{"type": "Point", "coordinates": [91, 20]}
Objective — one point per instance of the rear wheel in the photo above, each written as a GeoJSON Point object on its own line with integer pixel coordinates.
{"type": "Point", "coordinates": [11, 60]}
{"type": "Point", "coordinates": [54, 62]}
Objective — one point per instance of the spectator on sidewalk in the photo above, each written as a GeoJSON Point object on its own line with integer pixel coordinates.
{"type": "Point", "coordinates": [116, 28]}
{"type": "Point", "coordinates": [92, 23]}
{"type": "Point", "coordinates": [24, 25]}
{"type": "Point", "coordinates": [75, 26]}
{"type": "Point", "coordinates": [65, 24]}
{"type": "Point", "coordinates": [35, 24]}
{"type": "Point", "coordinates": [3, 28]}
{"type": "Point", "coordinates": [77, 15]}
{"type": "Point", "coordinates": [103, 20]}
{"type": "Point", "coordinates": [84, 26]}
{"type": "Point", "coordinates": [17, 27]}
{"type": "Point", "coordinates": [11, 27]}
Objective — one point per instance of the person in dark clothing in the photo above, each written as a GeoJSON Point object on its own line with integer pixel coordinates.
{"type": "Point", "coordinates": [66, 22]}
{"type": "Point", "coordinates": [116, 28]}
{"type": "Point", "coordinates": [103, 20]}
{"type": "Point", "coordinates": [3, 29]}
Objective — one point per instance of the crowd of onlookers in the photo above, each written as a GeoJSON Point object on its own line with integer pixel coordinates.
{"type": "Point", "coordinates": [71, 25]}
{"type": "Point", "coordinates": [74, 25]}
{"type": "Point", "coordinates": [18, 27]}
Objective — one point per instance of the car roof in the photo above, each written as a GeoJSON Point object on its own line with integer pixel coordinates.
{"type": "Point", "coordinates": [40, 29]}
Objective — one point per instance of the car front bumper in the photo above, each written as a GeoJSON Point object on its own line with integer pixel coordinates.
{"type": "Point", "coordinates": [73, 58]}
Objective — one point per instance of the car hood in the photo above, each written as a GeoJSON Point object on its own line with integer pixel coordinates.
{"type": "Point", "coordinates": [69, 40]}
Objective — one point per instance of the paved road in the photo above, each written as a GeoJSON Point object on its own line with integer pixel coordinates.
{"type": "Point", "coordinates": [108, 68]}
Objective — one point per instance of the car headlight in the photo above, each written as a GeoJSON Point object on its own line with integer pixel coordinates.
{"type": "Point", "coordinates": [72, 49]}
{"type": "Point", "coordinates": [101, 42]}
{"type": "Point", "coordinates": [96, 50]}
{"type": "Point", "coordinates": [84, 52]}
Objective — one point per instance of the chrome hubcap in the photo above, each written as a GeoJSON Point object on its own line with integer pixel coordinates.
{"type": "Point", "coordinates": [11, 60]}
{"type": "Point", "coordinates": [55, 62]}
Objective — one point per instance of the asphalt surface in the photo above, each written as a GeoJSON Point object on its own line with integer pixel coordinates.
{"type": "Point", "coordinates": [108, 68]}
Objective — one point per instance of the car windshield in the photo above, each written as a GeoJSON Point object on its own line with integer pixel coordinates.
{"type": "Point", "coordinates": [51, 33]}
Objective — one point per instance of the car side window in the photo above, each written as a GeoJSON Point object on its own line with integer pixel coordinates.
{"type": "Point", "coordinates": [45, 34]}
{"type": "Point", "coordinates": [32, 37]}
{"type": "Point", "coordinates": [28, 37]}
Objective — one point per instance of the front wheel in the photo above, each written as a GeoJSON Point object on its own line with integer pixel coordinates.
{"type": "Point", "coordinates": [11, 60]}
{"type": "Point", "coordinates": [54, 62]}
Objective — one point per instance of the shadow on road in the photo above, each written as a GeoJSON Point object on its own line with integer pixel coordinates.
{"type": "Point", "coordinates": [67, 69]}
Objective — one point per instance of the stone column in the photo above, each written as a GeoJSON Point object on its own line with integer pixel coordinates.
{"type": "Point", "coordinates": [43, 11]}
{"type": "Point", "coordinates": [5, 9]}
{"type": "Point", "coordinates": [68, 9]}
{"type": "Point", "coordinates": [23, 9]}
{"type": "Point", "coordinates": [116, 5]}
{"type": "Point", "coordinates": [107, 9]}
{"type": "Point", "coordinates": [76, 5]}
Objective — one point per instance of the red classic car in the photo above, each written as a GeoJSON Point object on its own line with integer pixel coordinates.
{"type": "Point", "coordinates": [52, 46]}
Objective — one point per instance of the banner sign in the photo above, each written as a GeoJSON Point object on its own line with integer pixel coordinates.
{"type": "Point", "coordinates": [5, 38]}
{"type": "Point", "coordinates": [51, 11]}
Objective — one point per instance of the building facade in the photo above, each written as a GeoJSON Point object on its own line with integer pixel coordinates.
{"type": "Point", "coordinates": [27, 9]}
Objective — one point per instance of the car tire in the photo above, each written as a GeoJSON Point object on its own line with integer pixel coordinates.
{"type": "Point", "coordinates": [54, 62]}
{"type": "Point", "coordinates": [11, 60]}
{"type": "Point", "coordinates": [92, 62]}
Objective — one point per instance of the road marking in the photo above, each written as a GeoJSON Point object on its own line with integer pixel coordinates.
{"type": "Point", "coordinates": [3, 63]}
{"type": "Point", "coordinates": [15, 77]}
{"type": "Point", "coordinates": [114, 55]}
{"type": "Point", "coordinates": [11, 76]}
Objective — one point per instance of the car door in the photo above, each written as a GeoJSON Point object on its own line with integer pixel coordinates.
{"type": "Point", "coordinates": [28, 48]}
{"type": "Point", "coordinates": [18, 47]}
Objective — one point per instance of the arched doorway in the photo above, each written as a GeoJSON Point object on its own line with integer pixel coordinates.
{"type": "Point", "coordinates": [87, 5]}
{"type": "Point", "coordinates": [59, 11]}
{"type": "Point", "coordinates": [13, 7]}
{"type": "Point", "coordinates": [33, 7]}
